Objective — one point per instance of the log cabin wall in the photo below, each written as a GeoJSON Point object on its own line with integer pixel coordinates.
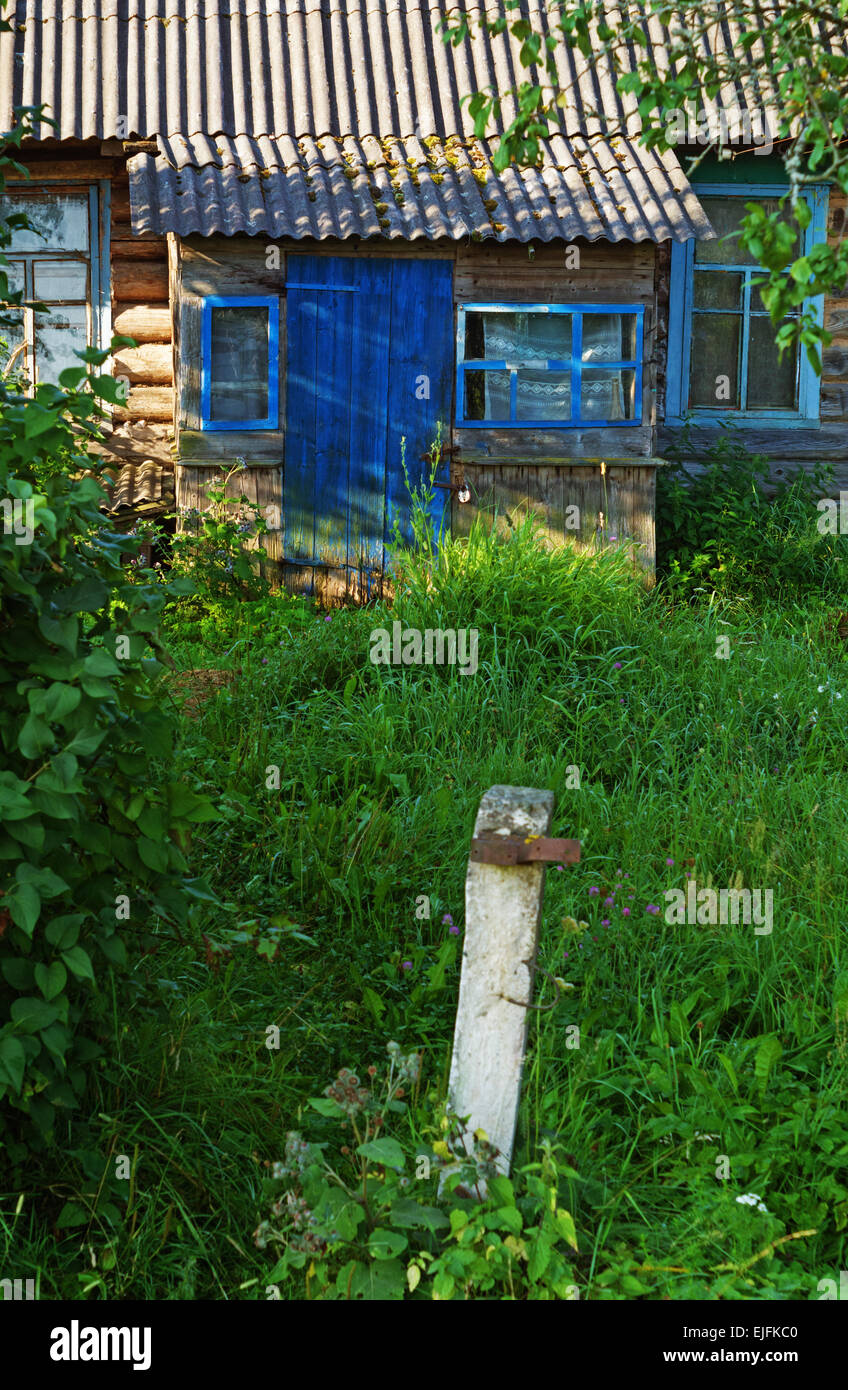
{"type": "Point", "coordinates": [508, 471]}
{"type": "Point", "coordinates": [139, 297]}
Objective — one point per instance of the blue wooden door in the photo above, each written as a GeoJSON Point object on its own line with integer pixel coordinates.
{"type": "Point", "coordinates": [369, 362]}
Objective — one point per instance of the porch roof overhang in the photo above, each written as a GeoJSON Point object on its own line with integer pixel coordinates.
{"type": "Point", "coordinates": [595, 188]}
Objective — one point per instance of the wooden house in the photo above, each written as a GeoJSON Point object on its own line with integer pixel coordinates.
{"type": "Point", "coordinates": [283, 202]}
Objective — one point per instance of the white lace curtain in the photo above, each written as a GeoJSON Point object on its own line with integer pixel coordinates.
{"type": "Point", "coordinates": [543, 394]}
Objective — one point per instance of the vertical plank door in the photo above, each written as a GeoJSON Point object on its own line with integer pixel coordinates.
{"type": "Point", "coordinates": [369, 362]}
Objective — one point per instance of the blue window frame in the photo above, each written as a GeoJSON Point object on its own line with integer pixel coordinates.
{"type": "Point", "coordinates": [722, 359]}
{"type": "Point", "coordinates": [555, 366]}
{"type": "Point", "coordinates": [239, 381]}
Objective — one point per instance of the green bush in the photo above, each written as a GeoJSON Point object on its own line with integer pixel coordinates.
{"type": "Point", "coordinates": [92, 839]}
{"type": "Point", "coordinates": [372, 1215]}
{"type": "Point", "coordinates": [724, 530]}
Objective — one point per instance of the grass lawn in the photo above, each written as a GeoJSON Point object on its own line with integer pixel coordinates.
{"type": "Point", "coordinates": [710, 1061]}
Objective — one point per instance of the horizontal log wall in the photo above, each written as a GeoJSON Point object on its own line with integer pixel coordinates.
{"type": "Point", "coordinates": [141, 309]}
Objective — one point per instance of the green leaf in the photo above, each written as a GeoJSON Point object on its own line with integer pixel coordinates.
{"type": "Point", "coordinates": [35, 736]}
{"type": "Point", "coordinates": [62, 632]}
{"type": "Point", "coordinates": [43, 880]}
{"type": "Point", "coordinates": [100, 663]}
{"type": "Point", "coordinates": [377, 1280]}
{"type": "Point", "coordinates": [385, 1245]}
{"type": "Point", "coordinates": [78, 962]}
{"type": "Point", "coordinates": [565, 1225]}
{"type": "Point", "coordinates": [24, 906]}
{"type": "Point", "coordinates": [406, 1212]}
{"type": "Point", "coordinates": [18, 972]}
{"type": "Point", "coordinates": [386, 1151]}
{"type": "Point", "coordinates": [325, 1106]}
{"type": "Point", "coordinates": [12, 1062]}
{"type": "Point", "coordinates": [60, 700]}
{"type": "Point", "coordinates": [86, 596]}
{"type": "Point", "coordinates": [33, 1014]}
{"type": "Point", "coordinates": [62, 932]}
{"type": "Point", "coordinates": [72, 1214]}
{"type": "Point", "coordinates": [768, 1053]}
{"type": "Point", "coordinates": [51, 979]}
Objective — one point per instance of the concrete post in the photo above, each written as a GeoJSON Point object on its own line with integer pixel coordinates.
{"type": "Point", "coordinates": [503, 907]}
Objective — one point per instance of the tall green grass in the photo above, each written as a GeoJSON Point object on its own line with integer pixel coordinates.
{"type": "Point", "coordinates": [737, 765]}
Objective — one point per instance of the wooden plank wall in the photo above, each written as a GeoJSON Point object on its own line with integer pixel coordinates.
{"type": "Point", "coordinates": [511, 473]}
{"type": "Point", "coordinates": [504, 466]}
{"type": "Point", "coordinates": [586, 505]}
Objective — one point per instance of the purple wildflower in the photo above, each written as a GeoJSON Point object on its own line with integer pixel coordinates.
{"type": "Point", "coordinates": [594, 891]}
{"type": "Point", "coordinates": [625, 912]}
{"type": "Point", "coordinates": [616, 665]}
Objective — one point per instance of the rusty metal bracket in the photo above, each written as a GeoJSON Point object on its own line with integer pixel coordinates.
{"type": "Point", "coordinates": [510, 849]}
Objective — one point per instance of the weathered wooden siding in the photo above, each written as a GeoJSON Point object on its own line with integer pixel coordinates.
{"type": "Point", "coordinates": [506, 469]}
{"type": "Point", "coordinates": [609, 501]}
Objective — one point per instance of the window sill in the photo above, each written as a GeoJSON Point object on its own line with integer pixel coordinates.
{"type": "Point", "coordinates": [739, 422]}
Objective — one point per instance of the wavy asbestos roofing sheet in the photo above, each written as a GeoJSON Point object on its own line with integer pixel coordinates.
{"type": "Point", "coordinates": [144, 68]}
{"type": "Point", "coordinates": [411, 188]}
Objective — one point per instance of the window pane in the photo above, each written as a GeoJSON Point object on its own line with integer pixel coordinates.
{"type": "Point", "coordinates": [516, 336]}
{"type": "Point", "coordinates": [718, 289]}
{"type": "Point", "coordinates": [61, 217]}
{"type": "Point", "coordinates": [543, 395]}
{"type": "Point", "coordinates": [14, 275]}
{"type": "Point", "coordinates": [486, 395]}
{"type": "Point", "coordinates": [608, 395]}
{"type": "Point", "coordinates": [715, 356]}
{"type": "Point", "coordinates": [725, 214]}
{"type": "Point", "coordinates": [60, 280]}
{"type": "Point", "coordinates": [770, 384]}
{"type": "Point", "coordinates": [239, 366]}
{"type": "Point", "coordinates": [57, 336]}
{"type": "Point", "coordinates": [609, 337]}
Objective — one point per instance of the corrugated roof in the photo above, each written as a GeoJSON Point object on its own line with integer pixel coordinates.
{"type": "Point", "coordinates": [411, 188]}
{"type": "Point", "coordinates": [119, 68]}
{"type": "Point", "coordinates": [141, 488]}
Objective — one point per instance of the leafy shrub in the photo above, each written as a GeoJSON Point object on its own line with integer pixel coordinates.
{"type": "Point", "coordinates": [211, 549]}
{"type": "Point", "coordinates": [724, 529]}
{"type": "Point", "coordinates": [92, 841]}
{"type": "Point", "coordinates": [370, 1220]}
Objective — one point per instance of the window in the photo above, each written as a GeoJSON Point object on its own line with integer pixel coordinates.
{"type": "Point", "coordinates": [59, 262]}
{"type": "Point", "coordinates": [553, 365]}
{"type": "Point", "coordinates": [722, 358]}
{"type": "Point", "coordinates": [240, 373]}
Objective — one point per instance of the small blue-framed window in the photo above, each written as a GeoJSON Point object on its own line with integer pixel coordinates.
{"type": "Point", "coordinates": [722, 359]}
{"type": "Point", "coordinates": [239, 383]}
{"type": "Point", "coordinates": [557, 366]}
